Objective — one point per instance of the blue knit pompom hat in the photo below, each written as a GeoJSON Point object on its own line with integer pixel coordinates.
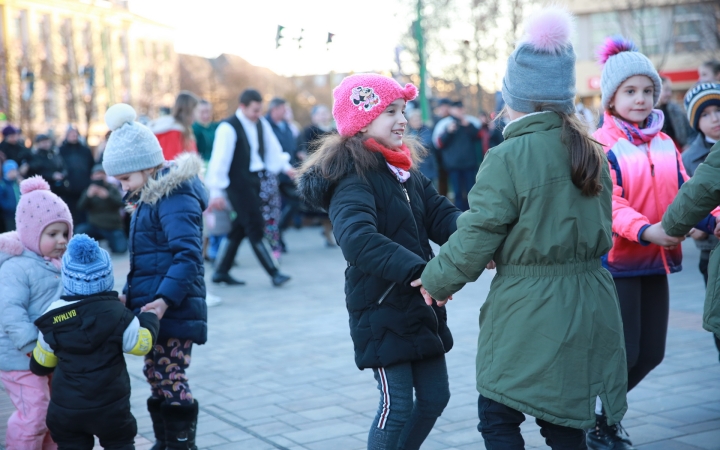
{"type": "Point", "coordinates": [86, 268]}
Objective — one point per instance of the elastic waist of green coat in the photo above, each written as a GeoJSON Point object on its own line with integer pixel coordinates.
{"type": "Point", "coordinates": [552, 270]}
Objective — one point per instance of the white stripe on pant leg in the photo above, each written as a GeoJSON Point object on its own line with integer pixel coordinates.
{"type": "Point", "coordinates": [386, 399]}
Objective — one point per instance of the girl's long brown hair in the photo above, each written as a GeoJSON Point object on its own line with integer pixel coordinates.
{"type": "Point", "coordinates": [587, 157]}
{"type": "Point", "coordinates": [336, 155]}
{"type": "Point", "coordinates": [184, 111]}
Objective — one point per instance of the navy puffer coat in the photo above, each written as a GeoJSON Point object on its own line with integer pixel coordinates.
{"type": "Point", "coordinates": [384, 236]}
{"type": "Point", "coordinates": [166, 250]}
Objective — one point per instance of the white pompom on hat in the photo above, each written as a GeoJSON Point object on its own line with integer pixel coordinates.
{"type": "Point", "coordinates": [132, 147]}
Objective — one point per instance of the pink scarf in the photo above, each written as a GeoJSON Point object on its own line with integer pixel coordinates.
{"type": "Point", "coordinates": [636, 135]}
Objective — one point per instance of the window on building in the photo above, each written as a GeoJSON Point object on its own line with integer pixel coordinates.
{"type": "Point", "coordinates": [694, 27]}
{"type": "Point", "coordinates": [646, 24]}
{"type": "Point", "coordinates": [603, 25]}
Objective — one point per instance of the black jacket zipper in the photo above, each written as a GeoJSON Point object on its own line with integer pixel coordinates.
{"type": "Point", "coordinates": [417, 233]}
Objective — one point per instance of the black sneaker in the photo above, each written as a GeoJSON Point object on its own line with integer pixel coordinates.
{"type": "Point", "coordinates": [608, 437]}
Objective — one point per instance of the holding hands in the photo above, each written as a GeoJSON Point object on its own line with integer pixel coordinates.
{"type": "Point", "coordinates": [656, 234]}
{"type": "Point", "coordinates": [426, 295]}
{"type": "Point", "coordinates": [158, 307]}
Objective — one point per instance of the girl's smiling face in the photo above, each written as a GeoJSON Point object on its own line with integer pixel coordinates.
{"type": "Point", "coordinates": [388, 128]}
{"type": "Point", "coordinates": [54, 239]}
{"type": "Point", "coordinates": [709, 122]}
{"type": "Point", "coordinates": [633, 100]}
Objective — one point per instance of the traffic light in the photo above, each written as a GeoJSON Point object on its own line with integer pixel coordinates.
{"type": "Point", "coordinates": [278, 36]}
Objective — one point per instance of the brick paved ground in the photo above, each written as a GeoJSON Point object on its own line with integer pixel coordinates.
{"type": "Point", "coordinates": [278, 370]}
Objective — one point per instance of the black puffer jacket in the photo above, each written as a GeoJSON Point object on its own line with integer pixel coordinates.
{"type": "Point", "coordinates": [386, 247]}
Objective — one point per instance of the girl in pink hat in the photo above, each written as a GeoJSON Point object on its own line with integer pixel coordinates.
{"type": "Point", "coordinates": [29, 282]}
{"type": "Point", "coordinates": [384, 213]}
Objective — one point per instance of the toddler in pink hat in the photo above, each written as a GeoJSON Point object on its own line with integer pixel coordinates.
{"type": "Point", "coordinates": [384, 211]}
{"type": "Point", "coordinates": [29, 282]}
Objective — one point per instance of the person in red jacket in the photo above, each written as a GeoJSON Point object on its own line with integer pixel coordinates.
{"type": "Point", "coordinates": [174, 132]}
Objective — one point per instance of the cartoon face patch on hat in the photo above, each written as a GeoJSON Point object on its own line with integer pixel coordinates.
{"type": "Point", "coordinates": [364, 98]}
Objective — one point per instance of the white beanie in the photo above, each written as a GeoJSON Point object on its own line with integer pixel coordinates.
{"type": "Point", "coordinates": [132, 147]}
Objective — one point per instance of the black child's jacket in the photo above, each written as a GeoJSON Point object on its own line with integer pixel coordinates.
{"type": "Point", "coordinates": [82, 339]}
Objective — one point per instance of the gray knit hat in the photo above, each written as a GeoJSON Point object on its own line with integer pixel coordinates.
{"type": "Point", "coordinates": [622, 60]}
{"type": "Point", "coordinates": [541, 70]}
{"type": "Point", "coordinates": [132, 146]}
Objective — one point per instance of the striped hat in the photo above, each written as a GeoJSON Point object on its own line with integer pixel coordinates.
{"type": "Point", "coordinates": [698, 98]}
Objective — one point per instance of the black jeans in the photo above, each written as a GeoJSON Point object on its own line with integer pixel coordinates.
{"type": "Point", "coordinates": [248, 221]}
{"type": "Point", "coordinates": [645, 307]}
{"type": "Point", "coordinates": [500, 428]}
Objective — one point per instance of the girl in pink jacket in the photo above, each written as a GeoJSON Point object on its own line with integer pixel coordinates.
{"type": "Point", "coordinates": [647, 172]}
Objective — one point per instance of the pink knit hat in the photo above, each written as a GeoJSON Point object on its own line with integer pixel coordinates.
{"type": "Point", "coordinates": [38, 208]}
{"type": "Point", "coordinates": [360, 98]}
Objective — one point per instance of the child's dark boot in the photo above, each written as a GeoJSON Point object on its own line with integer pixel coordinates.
{"type": "Point", "coordinates": [608, 437]}
{"type": "Point", "coordinates": [180, 426]}
{"type": "Point", "coordinates": [153, 406]}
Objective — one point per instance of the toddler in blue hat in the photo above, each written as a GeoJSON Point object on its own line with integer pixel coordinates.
{"type": "Point", "coordinates": [9, 194]}
{"type": "Point", "coordinates": [82, 339]}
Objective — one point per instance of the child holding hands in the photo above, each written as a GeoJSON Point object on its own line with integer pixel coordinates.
{"type": "Point", "coordinates": [82, 339]}
{"type": "Point", "coordinates": [166, 265]}
{"type": "Point", "coordinates": [384, 212]}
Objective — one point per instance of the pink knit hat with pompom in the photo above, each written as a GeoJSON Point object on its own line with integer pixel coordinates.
{"type": "Point", "coordinates": [360, 98]}
{"type": "Point", "coordinates": [38, 208]}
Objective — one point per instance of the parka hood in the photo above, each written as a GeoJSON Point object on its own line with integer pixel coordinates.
{"type": "Point", "coordinates": [184, 168]}
{"type": "Point", "coordinates": [163, 124]}
{"type": "Point", "coordinates": [10, 246]}
{"type": "Point", "coordinates": [317, 190]}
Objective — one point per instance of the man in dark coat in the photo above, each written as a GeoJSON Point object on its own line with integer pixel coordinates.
{"type": "Point", "coordinates": [277, 110]}
{"type": "Point", "coordinates": [45, 162]}
{"type": "Point", "coordinates": [245, 148]}
{"type": "Point", "coordinates": [79, 162]}
{"type": "Point", "coordinates": [11, 146]}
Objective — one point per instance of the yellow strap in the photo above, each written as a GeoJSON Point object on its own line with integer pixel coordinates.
{"type": "Point", "coordinates": [144, 343]}
{"type": "Point", "coordinates": [44, 357]}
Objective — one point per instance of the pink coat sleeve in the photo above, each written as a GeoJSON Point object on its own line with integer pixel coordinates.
{"type": "Point", "coordinates": [626, 221]}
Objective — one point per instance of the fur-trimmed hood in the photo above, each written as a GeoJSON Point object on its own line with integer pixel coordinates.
{"type": "Point", "coordinates": [163, 124]}
{"type": "Point", "coordinates": [317, 190]}
{"type": "Point", "coordinates": [10, 246]}
{"type": "Point", "coordinates": [182, 173]}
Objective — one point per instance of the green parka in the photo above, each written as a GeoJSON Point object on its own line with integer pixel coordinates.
{"type": "Point", "coordinates": [697, 197]}
{"type": "Point", "coordinates": [551, 336]}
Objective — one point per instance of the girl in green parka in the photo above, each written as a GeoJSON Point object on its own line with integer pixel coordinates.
{"type": "Point", "coordinates": [698, 197]}
{"type": "Point", "coordinates": [551, 338]}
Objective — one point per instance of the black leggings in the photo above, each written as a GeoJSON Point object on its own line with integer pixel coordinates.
{"type": "Point", "coordinates": [645, 306]}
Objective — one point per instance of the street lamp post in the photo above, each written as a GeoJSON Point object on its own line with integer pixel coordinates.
{"type": "Point", "coordinates": [422, 98]}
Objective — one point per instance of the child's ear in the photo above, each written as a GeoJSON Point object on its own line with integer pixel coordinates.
{"type": "Point", "coordinates": [363, 129]}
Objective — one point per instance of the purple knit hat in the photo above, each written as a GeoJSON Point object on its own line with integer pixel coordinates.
{"type": "Point", "coordinates": [360, 98]}
{"type": "Point", "coordinates": [38, 208]}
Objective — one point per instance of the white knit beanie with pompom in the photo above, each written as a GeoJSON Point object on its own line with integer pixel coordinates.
{"type": "Point", "coordinates": [132, 147]}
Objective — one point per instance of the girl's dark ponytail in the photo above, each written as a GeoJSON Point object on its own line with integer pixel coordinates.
{"type": "Point", "coordinates": [586, 154]}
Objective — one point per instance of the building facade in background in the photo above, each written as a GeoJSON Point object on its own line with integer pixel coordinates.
{"type": "Point", "coordinates": [66, 61]}
{"type": "Point", "coordinates": [676, 35]}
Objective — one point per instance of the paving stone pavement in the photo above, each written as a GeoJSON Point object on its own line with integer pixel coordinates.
{"type": "Point", "coordinates": [278, 370]}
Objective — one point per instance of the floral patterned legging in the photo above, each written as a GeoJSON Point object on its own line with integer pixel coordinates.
{"type": "Point", "coordinates": [165, 371]}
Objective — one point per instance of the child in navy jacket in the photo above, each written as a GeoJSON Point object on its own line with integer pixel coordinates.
{"type": "Point", "coordinates": [166, 265]}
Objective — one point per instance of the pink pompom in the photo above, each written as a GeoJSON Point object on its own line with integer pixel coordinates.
{"type": "Point", "coordinates": [614, 45]}
{"type": "Point", "coordinates": [36, 183]}
{"type": "Point", "coordinates": [410, 92]}
{"type": "Point", "coordinates": [549, 30]}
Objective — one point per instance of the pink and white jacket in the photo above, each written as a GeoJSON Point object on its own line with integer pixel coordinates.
{"type": "Point", "coordinates": [647, 172]}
